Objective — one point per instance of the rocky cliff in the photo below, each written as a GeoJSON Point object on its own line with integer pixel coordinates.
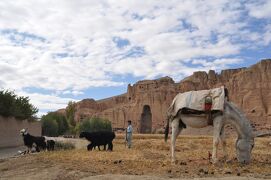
{"type": "Point", "coordinates": [146, 102]}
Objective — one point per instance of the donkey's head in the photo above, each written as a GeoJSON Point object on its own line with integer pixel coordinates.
{"type": "Point", "coordinates": [243, 150]}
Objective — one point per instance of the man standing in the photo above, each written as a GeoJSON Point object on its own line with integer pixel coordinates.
{"type": "Point", "coordinates": [129, 132]}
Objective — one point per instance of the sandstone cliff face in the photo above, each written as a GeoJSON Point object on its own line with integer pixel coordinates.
{"type": "Point", "coordinates": [146, 102]}
{"type": "Point", "coordinates": [151, 96]}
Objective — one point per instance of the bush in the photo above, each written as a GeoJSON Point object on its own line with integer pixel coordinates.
{"type": "Point", "coordinates": [74, 129]}
{"type": "Point", "coordinates": [95, 124]}
{"type": "Point", "coordinates": [19, 107]}
{"type": "Point", "coordinates": [64, 145]}
{"type": "Point", "coordinates": [54, 124]}
{"type": "Point", "coordinates": [49, 127]}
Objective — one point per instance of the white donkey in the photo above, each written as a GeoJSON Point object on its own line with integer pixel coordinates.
{"type": "Point", "coordinates": [231, 115]}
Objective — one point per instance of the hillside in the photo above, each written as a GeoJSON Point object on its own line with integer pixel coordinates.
{"type": "Point", "coordinates": [146, 102]}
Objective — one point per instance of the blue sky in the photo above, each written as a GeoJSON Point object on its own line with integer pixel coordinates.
{"type": "Point", "coordinates": [66, 50]}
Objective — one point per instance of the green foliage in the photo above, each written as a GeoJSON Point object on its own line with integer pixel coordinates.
{"type": "Point", "coordinates": [70, 111]}
{"type": "Point", "coordinates": [95, 124]}
{"type": "Point", "coordinates": [19, 107]}
{"type": "Point", "coordinates": [62, 124]}
{"type": "Point", "coordinates": [49, 127]}
{"type": "Point", "coordinates": [54, 124]}
{"type": "Point", "coordinates": [74, 129]}
{"type": "Point", "coordinates": [7, 101]}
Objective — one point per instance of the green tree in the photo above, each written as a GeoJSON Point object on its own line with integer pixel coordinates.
{"type": "Point", "coordinates": [16, 106]}
{"type": "Point", "coordinates": [7, 102]}
{"type": "Point", "coordinates": [63, 125]}
{"type": "Point", "coordinates": [23, 109]}
{"type": "Point", "coordinates": [57, 121]}
{"type": "Point", "coordinates": [95, 124]}
{"type": "Point", "coordinates": [85, 125]}
{"type": "Point", "coordinates": [70, 112]}
{"type": "Point", "coordinates": [76, 129]}
{"type": "Point", "coordinates": [49, 127]}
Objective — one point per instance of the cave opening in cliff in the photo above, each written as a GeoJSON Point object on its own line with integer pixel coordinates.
{"type": "Point", "coordinates": [146, 120]}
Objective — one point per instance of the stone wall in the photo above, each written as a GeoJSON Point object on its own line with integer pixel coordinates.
{"type": "Point", "coordinates": [10, 131]}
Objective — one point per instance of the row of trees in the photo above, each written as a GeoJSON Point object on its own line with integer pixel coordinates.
{"type": "Point", "coordinates": [19, 107]}
{"type": "Point", "coordinates": [94, 124]}
{"type": "Point", "coordinates": [55, 124]}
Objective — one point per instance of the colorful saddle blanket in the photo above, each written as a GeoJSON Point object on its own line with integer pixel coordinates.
{"type": "Point", "coordinates": [196, 100]}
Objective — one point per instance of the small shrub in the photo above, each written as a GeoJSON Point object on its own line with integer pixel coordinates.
{"type": "Point", "coordinates": [64, 145]}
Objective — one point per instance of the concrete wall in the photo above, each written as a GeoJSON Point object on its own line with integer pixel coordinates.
{"type": "Point", "coordinates": [10, 131]}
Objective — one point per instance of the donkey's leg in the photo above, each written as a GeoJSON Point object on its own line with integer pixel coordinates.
{"type": "Point", "coordinates": [175, 133]}
{"type": "Point", "coordinates": [217, 130]}
{"type": "Point", "coordinates": [224, 143]}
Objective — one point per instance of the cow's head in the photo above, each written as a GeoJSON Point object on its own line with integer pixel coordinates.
{"type": "Point", "coordinates": [82, 134]}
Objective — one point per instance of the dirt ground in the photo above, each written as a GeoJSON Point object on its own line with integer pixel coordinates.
{"type": "Point", "coordinates": [148, 159]}
{"type": "Point", "coordinates": [9, 152]}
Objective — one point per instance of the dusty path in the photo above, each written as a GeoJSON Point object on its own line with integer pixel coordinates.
{"type": "Point", "coordinates": [10, 152]}
{"type": "Point", "coordinates": [148, 159]}
{"type": "Point", "coordinates": [130, 177]}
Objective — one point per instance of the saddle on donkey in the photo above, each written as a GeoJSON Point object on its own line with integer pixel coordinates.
{"type": "Point", "coordinates": [208, 103]}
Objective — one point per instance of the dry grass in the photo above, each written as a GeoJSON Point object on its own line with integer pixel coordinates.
{"type": "Point", "coordinates": [150, 155]}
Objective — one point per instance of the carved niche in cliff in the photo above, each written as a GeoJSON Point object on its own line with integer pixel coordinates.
{"type": "Point", "coordinates": [146, 120]}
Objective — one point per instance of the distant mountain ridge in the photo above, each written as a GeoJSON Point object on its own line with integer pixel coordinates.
{"type": "Point", "coordinates": [147, 101]}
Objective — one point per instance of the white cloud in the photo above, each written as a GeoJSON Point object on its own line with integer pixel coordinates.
{"type": "Point", "coordinates": [260, 9]}
{"type": "Point", "coordinates": [267, 35]}
{"type": "Point", "coordinates": [46, 102]}
{"type": "Point", "coordinates": [217, 64]}
{"type": "Point", "coordinates": [67, 46]}
{"type": "Point", "coordinates": [75, 93]}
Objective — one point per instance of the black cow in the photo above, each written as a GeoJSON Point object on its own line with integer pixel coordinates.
{"type": "Point", "coordinates": [37, 141]}
{"type": "Point", "coordinates": [50, 145]}
{"type": "Point", "coordinates": [99, 138]}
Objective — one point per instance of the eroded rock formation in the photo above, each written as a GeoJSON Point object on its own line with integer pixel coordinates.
{"type": "Point", "coordinates": [146, 102]}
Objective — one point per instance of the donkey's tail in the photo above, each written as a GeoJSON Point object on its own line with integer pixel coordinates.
{"type": "Point", "coordinates": [167, 129]}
